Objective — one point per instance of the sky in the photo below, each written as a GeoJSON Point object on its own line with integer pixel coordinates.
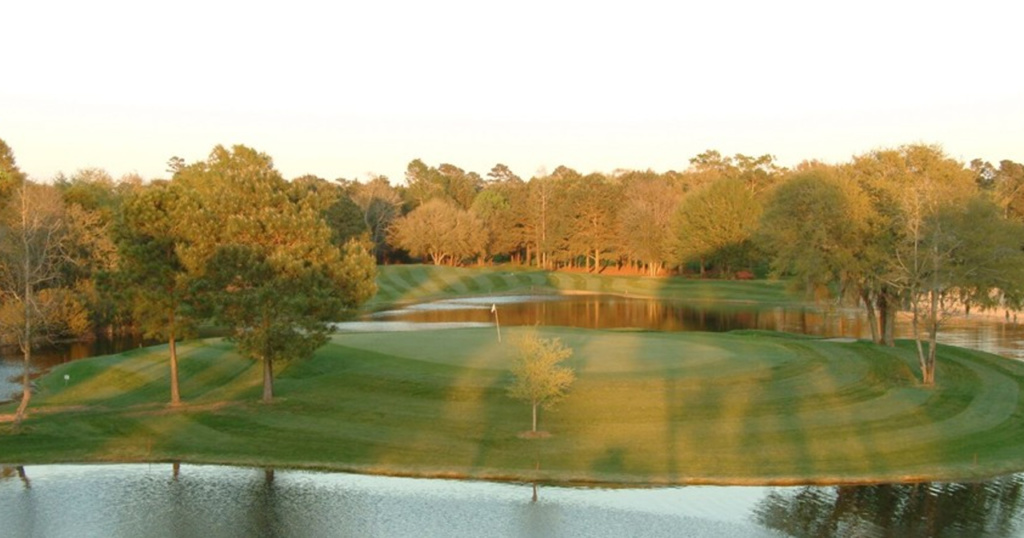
{"type": "Point", "coordinates": [362, 88]}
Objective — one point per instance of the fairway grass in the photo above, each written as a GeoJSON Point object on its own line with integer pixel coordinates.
{"type": "Point", "coordinates": [647, 408]}
{"type": "Point", "coordinates": [403, 284]}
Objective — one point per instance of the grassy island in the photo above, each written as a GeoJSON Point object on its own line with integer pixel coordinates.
{"type": "Point", "coordinates": [745, 407]}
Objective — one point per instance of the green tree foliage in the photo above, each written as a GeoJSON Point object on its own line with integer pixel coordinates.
{"type": "Point", "coordinates": [1009, 187]}
{"type": "Point", "coordinates": [816, 225]}
{"type": "Point", "coordinates": [758, 174]}
{"type": "Point", "coordinates": [593, 207]}
{"type": "Point", "coordinates": [335, 205]}
{"type": "Point", "coordinates": [92, 199]}
{"type": "Point", "coordinates": [151, 275]}
{"type": "Point", "coordinates": [539, 377]}
{"type": "Point", "coordinates": [645, 220]}
{"type": "Point", "coordinates": [543, 231]}
{"type": "Point", "coordinates": [716, 224]}
{"type": "Point", "coordinates": [11, 177]}
{"type": "Point", "coordinates": [447, 182]}
{"type": "Point", "coordinates": [278, 316]}
{"type": "Point", "coordinates": [549, 215]}
{"type": "Point", "coordinates": [265, 261]}
{"type": "Point", "coordinates": [380, 204]}
{"type": "Point", "coordinates": [440, 231]}
{"type": "Point", "coordinates": [966, 254]}
{"type": "Point", "coordinates": [33, 252]}
{"type": "Point", "coordinates": [499, 206]}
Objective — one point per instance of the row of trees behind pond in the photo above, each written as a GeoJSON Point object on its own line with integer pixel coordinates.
{"type": "Point", "coordinates": [228, 240]}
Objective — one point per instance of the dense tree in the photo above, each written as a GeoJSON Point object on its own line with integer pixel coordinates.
{"type": "Point", "coordinates": [539, 378]}
{"type": "Point", "coordinates": [1009, 188]}
{"type": "Point", "coordinates": [645, 220]}
{"type": "Point", "coordinates": [11, 177]}
{"type": "Point", "coordinates": [499, 206]}
{"type": "Point", "coordinates": [910, 188]}
{"type": "Point", "coordinates": [756, 173]}
{"type": "Point", "coordinates": [965, 255]}
{"type": "Point", "coordinates": [716, 224]}
{"type": "Point", "coordinates": [540, 224]}
{"type": "Point", "coordinates": [265, 261]}
{"type": "Point", "coordinates": [441, 231]}
{"type": "Point", "coordinates": [593, 203]}
{"type": "Point", "coordinates": [816, 229]}
{"type": "Point", "coordinates": [33, 251]}
{"type": "Point", "coordinates": [447, 182]}
{"type": "Point", "coordinates": [380, 204]}
{"type": "Point", "coordinates": [335, 205]}
{"type": "Point", "coordinates": [151, 275]}
{"type": "Point", "coordinates": [93, 198]}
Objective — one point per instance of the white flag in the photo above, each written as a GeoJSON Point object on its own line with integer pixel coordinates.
{"type": "Point", "coordinates": [494, 308]}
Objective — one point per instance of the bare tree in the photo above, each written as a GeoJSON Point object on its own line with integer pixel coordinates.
{"type": "Point", "coordinates": [33, 249]}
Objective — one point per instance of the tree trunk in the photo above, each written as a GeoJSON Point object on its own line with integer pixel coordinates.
{"type": "Point", "coordinates": [887, 317]}
{"type": "Point", "coordinates": [268, 379]}
{"type": "Point", "coordinates": [915, 324]}
{"type": "Point", "coordinates": [933, 333]}
{"type": "Point", "coordinates": [26, 347]}
{"type": "Point", "coordinates": [869, 307]}
{"type": "Point", "coordinates": [172, 345]}
{"type": "Point", "coordinates": [535, 416]}
{"type": "Point", "coordinates": [26, 387]}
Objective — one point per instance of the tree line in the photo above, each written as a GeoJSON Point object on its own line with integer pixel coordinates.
{"type": "Point", "coordinates": [228, 240]}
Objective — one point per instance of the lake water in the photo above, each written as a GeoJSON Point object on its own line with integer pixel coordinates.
{"type": "Point", "coordinates": [155, 500]}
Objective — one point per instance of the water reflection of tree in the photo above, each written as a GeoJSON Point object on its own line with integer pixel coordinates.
{"type": "Point", "coordinates": [928, 509]}
{"type": "Point", "coordinates": [12, 471]}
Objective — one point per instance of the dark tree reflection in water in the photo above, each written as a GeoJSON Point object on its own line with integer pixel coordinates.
{"type": "Point", "coordinates": [990, 508]}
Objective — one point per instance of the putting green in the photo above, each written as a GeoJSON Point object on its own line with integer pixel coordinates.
{"type": "Point", "coordinates": [651, 408]}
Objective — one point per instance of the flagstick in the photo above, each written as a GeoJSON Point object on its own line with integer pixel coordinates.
{"type": "Point", "coordinates": [494, 310]}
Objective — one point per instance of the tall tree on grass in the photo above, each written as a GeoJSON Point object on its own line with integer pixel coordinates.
{"type": "Point", "coordinates": [263, 260]}
{"type": "Point", "coordinates": [966, 255]}
{"type": "Point", "coordinates": [151, 273]}
{"type": "Point", "coordinates": [539, 379]}
{"type": "Point", "coordinates": [33, 251]}
{"type": "Point", "coordinates": [816, 227]}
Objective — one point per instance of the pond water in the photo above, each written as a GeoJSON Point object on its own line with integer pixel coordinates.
{"type": "Point", "coordinates": [986, 332]}
{"type": "Point", "coordinates": [160, 500]}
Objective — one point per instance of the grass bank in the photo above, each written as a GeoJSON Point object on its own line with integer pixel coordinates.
{"type": "Point", "coordinates": [400, 284]}
{"type": "Point", "coordinates": [647, 408]}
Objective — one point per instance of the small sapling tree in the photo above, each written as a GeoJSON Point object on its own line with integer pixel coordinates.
{"type": "Point", "coordinates": [538, 377]}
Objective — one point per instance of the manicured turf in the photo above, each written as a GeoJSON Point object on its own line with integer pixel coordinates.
{"type": "Point", "coordinates": [650, 408]}
{"type": "Point", "coordinates": [417, 283]}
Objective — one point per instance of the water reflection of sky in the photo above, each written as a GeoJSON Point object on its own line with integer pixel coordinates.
{"type": "Point", "coordinates": [144, 500]}
{"type": "Point", "coordinates": [210, 501]}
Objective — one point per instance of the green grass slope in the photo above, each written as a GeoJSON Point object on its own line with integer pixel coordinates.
{"type": "Point", "coordinates": [647, 408]}
{"type": "Point", "coordinates": [417, 283]}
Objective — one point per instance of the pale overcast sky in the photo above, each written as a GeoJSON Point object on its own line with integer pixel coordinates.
{"type": "Point", "coordinates": [360, 88]}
